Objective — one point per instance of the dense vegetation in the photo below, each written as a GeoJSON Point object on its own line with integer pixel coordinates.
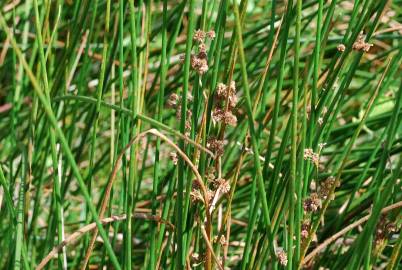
{"type": "Point", "coordinates": [200, 134]}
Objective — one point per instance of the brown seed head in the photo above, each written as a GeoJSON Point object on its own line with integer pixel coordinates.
{"type": "Point", "coordinates": [312, 203]}
{"type": "Point", "coordinates": [211, 34]}
{"type": "Point", "coordinates": [173, 100]}
{"type": "Point", "coordinates": [199, 35]}
{"type": "Point", "coordinates": [341, 48]}
{"type": "Point", "coordinates": [230, 119]}
{"type": "Point", "coordinates": [216, 146]}
{"type": "Point", "coordinates": [326, 187]}
{"type": "Point", "coordinates": [223, 185]}
{"type": "Point", "coordinates": [361, 45]}
{"type": "Point", "coordinates": [305, 228]}
{"type": "Point", "coordinates": [282, 257]}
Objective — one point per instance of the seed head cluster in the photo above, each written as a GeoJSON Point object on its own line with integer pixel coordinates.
{"type": "Point", "coordinates": [326, 187]}
{"type": "Point", "coordinates": [210, 174]}
{"type": "Point", "coordinates": [225, 92]}
{"type": "Point", "coordinates": [312, 203]}
{"type": "Point", "coordinates": [313, 157]}
{"type": "Point", "coordinates": [174, 100]}
{"type": "Point", "coordinates": [199, 61]}
{"type": "Point", "coordinates": [195, 196]}
{"type": "Point", "coordinates": [341, 47]}
{"type": "Point", "coordinates": [227, 117]}
{"type": "Point", "coordinates": [305, 229]}
{"type": "Point", "coordinates": [216, 146]}
{"type": "Point", "coordinates": [282, 257]}
{"type": "Point", "coordinates": [223, 185]}
{"type": "Point", "coordinates": [361, 45]}
{"type": "Point", "coordinates": [199, 36]}
{"type": "Point", "coordinates": [220, 113]}
{"type": "Point", "coordinates": [384, 230]}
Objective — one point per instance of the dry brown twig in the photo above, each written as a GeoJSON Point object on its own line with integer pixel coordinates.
{"type": "Point", "coordinates": [355, 224]}
{"type": "Point", "coordinates": [204, 234]}
{"type": "Point", "coordinates": [114, 173]}
{"type": "Point", "coordinates": [92, 226]}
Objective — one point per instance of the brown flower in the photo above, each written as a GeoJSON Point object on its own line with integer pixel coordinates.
{"type": "Point", "coordinates": [173, 100]}
{"type": "Point", "coordinates": [230, 119]}
{"type": "Point", "coordinates": [384, 229]}
{"type": "Point", "coordinates": [282, 257]}
{"type": "Point", "coordinates": [223, 185]}
{"type": "Point", "coordinates": [211, 34]}
{"type": "Point", "coordinates": [210, 174]}
{"type": "Point", "coordinates": [195, 196]}
{"type": "Point", "coordinates": [310, 155]}
{"type": "Point", "coordinates": [215, 146]}
{"type": "Point", "coordinates": [221, 90]}
{"type": "Point", "coordinates": [305, 228]}
{"type": "Point", "coordinates": [341, 47]}
{"type": "Point", "coordinates": [312, 203]}
{"type": "Point", "coordinates": [361, 45]}
{"type": "Point", "coordinates": [218, 114]}
{"type": "Point", "coordinates": [199, 35]}
{"type": "Point", "coordinates": [326, 187]}
{"type": "Point", "coordinates": [227, 92]}
{"type": "Point", "coordinates": [200, 65]}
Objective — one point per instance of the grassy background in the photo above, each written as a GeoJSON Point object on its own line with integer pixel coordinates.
{"type": "Point", "coordinates": [124, 143]}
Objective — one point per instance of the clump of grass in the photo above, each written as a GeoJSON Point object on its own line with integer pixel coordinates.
{"type": "Point", "coordinates": [200, 134]}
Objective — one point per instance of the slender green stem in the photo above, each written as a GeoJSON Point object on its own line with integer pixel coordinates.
{"type": "Point", "coordinates": [293, 163]}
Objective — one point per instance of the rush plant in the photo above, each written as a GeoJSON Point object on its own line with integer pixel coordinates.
{"type": "Point", "coordinates": [200, 134]}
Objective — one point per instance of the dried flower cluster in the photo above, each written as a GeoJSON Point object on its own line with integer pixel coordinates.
{"type": "Point", "coordinates": [313, 157]}
{"type": "Point", "coordinates": [199, 61]}
{"type": "Point", "coordinates": [384, 230]}
{"type": "Point", "coordinates": [227, 117]}
{"type": "Point", "coordinates": [225, 93]}
{"type": "Point", "coordinates": [216, 186]}
{"type": "Point", "coordinates": [199, 64]}
{"type": "Point", "coordinates": [341, 47]}
{"type": "Point", "coordinates": [211, 34]}
{"type": "Point", "coordinates": [222, 240]}
{"type": "Point", "coordinates": [216, 146]}
{"type": "Point", "coordinates": [282, 257]}
{"type": "Point", "coordinates": [223, 185]}
{"type": "Point", "coordinates": [196, 259]}
{"type": "Point", "coordinates": [326, 187]}
{"type": "Point", "coordinates": [174, 100]}
{"type": "Point", "coordinates": [305, 229]}
{"type": "Point", "coordinates": [361, 45]}
{"type": "Point", "coordinates": [312, 203]}
{"type": "Point", "coordinates": [195, 196]}
{"type": "Point", "coordinates": [210, 174]}
{"type": "Point", "coordinates": [199, 35]}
